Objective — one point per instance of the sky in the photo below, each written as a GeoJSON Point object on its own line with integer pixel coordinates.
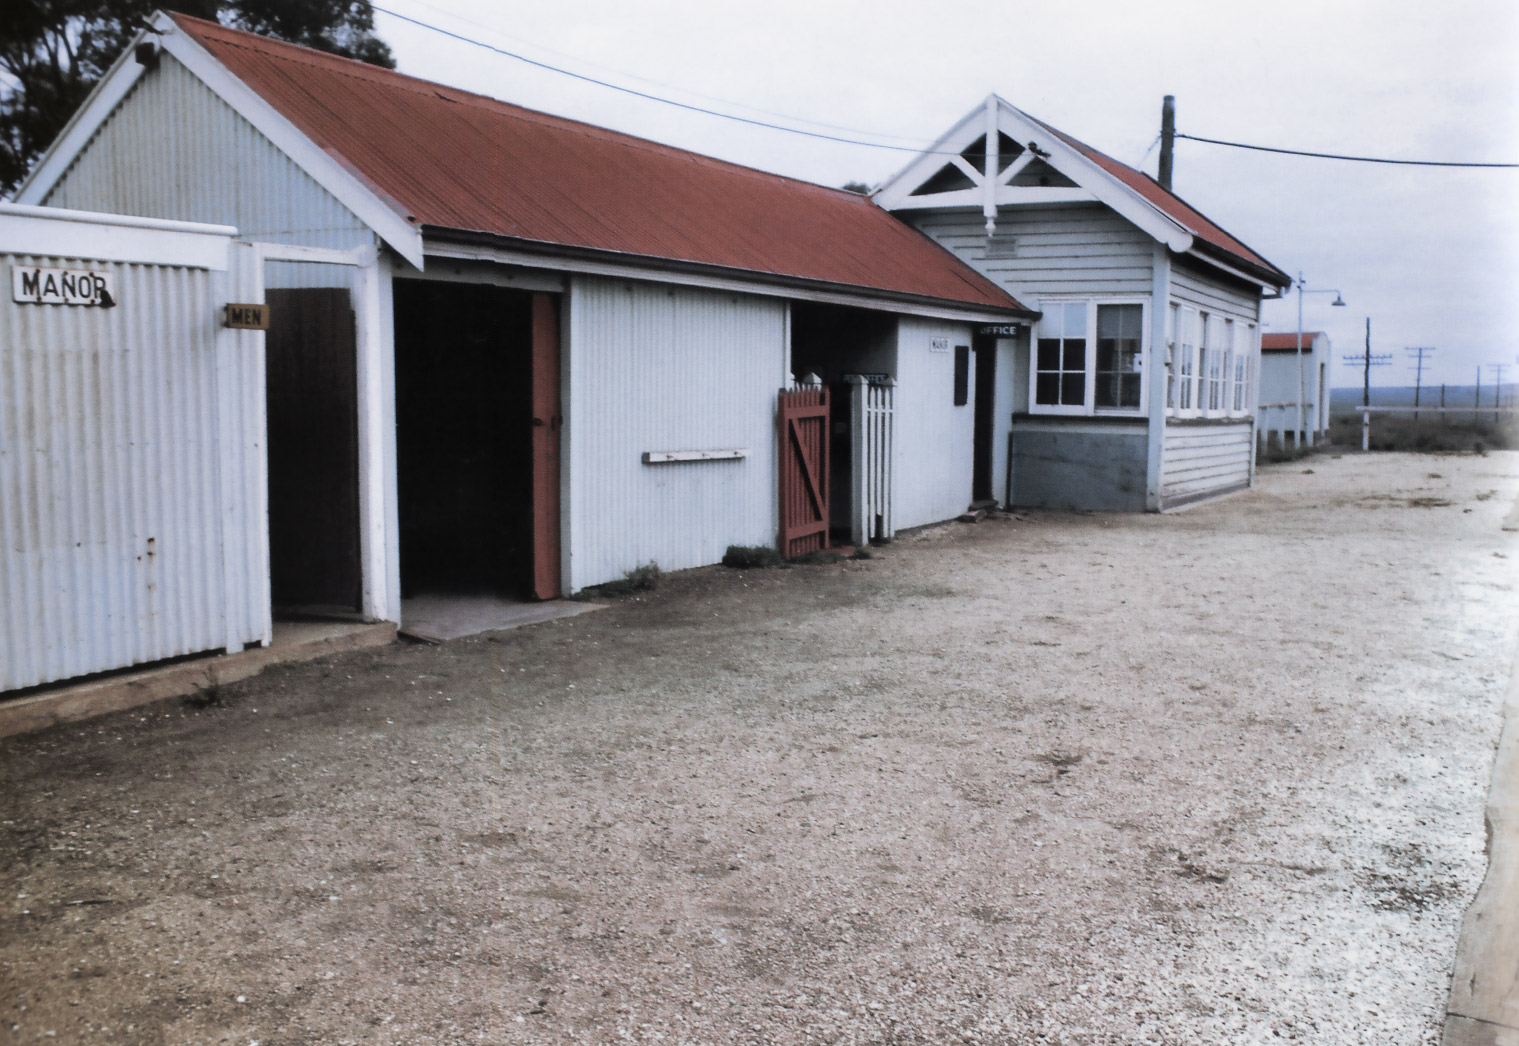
{"type": "Point", "coordinates": [1430, 255]}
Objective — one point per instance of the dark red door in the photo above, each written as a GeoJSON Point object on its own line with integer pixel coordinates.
{"type": "Point", "coordinates": [548, 421]}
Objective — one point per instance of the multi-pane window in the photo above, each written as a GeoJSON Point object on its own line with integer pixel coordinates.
{"type": "Point", "coordinates": [1212, 352]}
{"type": "Point", "coordinates": [1244, 398]}
{"type": "Point", "coordinates": [1061, 356]}
{"type": "Point", "coordinates": [1226, 366]}
{"type": "Point", "coordinates": [1212, 372]}
{"type": "Point", "coordinates": [1205, 360]}
{"type": "Point", "coordinates": [1172, 319]}
{"type": "Point", "coordinates": [1186, 347]}
{"type": "Point", "coordinates": [1119, 341]}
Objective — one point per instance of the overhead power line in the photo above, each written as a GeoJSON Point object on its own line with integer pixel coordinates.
{"type": "Point", "coordinates": [841, 138]}
{"type": "Point", "coordinates": [1340, 156]}
{"type": "Point", "coordinates": [644, 94]}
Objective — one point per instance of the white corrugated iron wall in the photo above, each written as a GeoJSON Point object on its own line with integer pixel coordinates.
{"type": "Point", "coordinates": [130, 451]}
{"type": "Point", "coordinates": [659, 368]}
{"type": "Point", "coordinates": [173, 149]}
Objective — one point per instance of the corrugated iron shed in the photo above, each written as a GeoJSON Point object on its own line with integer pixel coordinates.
{"type": "Point", "coordinates": [461, 163]}
{"type": "Point", "coordinates": [1287, 341]}
{"type": "Point", "coordinates": [1177, 209]}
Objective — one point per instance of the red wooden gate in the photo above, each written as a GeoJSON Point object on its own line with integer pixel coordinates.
{"type": "Point", "coordinates": [803, 420]}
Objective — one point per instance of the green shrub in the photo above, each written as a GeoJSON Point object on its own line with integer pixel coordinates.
{"type": "Point", "coordinates": [742, 557]}
{"type": "Point", "coordinates": [639, 579]}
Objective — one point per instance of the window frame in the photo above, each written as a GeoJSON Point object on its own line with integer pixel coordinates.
{"type": "Point", "coordinates": [1088, 407]}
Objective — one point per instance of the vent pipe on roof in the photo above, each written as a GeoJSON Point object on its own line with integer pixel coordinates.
{"type": "Point", "coordinates": [1167, 140]}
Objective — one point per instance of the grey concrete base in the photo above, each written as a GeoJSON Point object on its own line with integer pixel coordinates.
{"type": "Point", "coordinates": [1484, 991]}
{"type": "Point", "coordinates": [293, 641]}
{"type": "Point", "coordinates": [438, 618]}
{"type": "Point", "coordinates": [1463, 1031]}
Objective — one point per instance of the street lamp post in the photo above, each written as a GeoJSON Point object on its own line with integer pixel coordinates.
{"type": "Point", "coordinates": [1306, 430]}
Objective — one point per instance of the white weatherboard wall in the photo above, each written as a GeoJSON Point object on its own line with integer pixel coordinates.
{"type": "Point", "coordinates": [935, 439]}
{"type": "Point", "coordinates": [1064, 249]}
{"type": "Point", "coordinates": [1202, 459]}
{"type": "Point", "coordinates": [1205, 459]}
{"type": "Point", "coordinates": [656, 368]}
{"type": "Point", "coordinates": [132, 490]}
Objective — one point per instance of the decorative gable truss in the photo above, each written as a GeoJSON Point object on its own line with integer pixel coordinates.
{"type": "Point", "coordinates": [998, 156]}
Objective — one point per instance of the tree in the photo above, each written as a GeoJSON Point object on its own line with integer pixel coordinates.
{"type": "Point", "coordinates": [856, 187]}
{"type": "Point", "coordinates": [53, 52]}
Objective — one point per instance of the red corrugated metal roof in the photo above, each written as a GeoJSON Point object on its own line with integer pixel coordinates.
{"type": "Point", "coordinates": [459, 161]}
{"type": "Point", "coordinates": [1173, 206]}
{"type": "Point", "coordinates": [1289, 340]}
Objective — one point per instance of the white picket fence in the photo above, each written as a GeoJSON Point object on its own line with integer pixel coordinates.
{"type": "Point", "coordinates": [871, 450]}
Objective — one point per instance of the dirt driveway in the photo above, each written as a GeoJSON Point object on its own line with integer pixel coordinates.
{"type": "Point", "coordinates": [1212, 777]}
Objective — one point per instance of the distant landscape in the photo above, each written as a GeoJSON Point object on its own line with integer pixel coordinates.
{"type": "Point", "coordinates": [1349, 399]}
{"type": "Point", "coordinates": [1468, 429]}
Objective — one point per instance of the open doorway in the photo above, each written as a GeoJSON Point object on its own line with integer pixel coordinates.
{"type": "Point", "coordinates": [478, 501]}
{"type": "Point", "coordinates": [984, 348]}
{"type": "Point", "coordinates": [311, 388]}
{"type": "Point", "coordinates": [834, 342]}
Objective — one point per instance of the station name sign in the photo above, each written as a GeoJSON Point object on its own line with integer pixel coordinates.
{"type": "Point", "coordinates": [31, 285]}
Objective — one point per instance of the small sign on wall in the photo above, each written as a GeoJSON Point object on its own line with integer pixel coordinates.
{"type": "Point", "coordinates": [247, 317]}
{"type": "Point", "coordinates": [938, 345]}
{"type": "Point", "coordinates": [31, 285]}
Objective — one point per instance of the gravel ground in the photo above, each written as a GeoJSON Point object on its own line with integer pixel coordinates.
{"type": "Point", "coordinates": [1210, 777]}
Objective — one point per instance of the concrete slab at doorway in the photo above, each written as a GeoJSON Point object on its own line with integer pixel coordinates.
{"type": "Point", "coordinates": [438, 618]}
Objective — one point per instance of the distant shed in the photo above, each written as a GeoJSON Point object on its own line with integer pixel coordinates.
{"type": "Point", "coordinates": [1290, 377]}
{"type": "Point", "coordinates": [131, 445]}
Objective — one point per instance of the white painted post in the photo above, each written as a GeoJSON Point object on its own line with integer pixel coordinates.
{"type": "Point", "coordinates": [1155, 376]}
{"type": "Point", "coordinates": [989, 167]}
{"type": "Point", "coordinates": [1365, 430]}
{"type": "Point", "coordinates": [859, 459]}
{"type": "Point", "coordinates": [372, 465]}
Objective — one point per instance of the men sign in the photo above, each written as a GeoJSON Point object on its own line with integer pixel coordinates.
{"type": "Point", "coordinates": [247, 317]}
{"type": "Point", "coordinates": [31, 285]}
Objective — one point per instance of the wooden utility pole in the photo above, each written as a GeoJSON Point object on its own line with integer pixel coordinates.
{"type": "Point", "coordinates": [1167, 140]}
{"type": "Point", "coordinates": [1419, 355]}
{"type": "Point", "coordinates": [1497, 369]}
{"type": "Point", "coordinates": [1367, 361]}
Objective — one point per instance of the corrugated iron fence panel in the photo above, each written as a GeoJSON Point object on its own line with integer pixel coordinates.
{"type": "Point", "coordinates": [870, 449]}
{"type": "Point", "coordinates": [802, 415]}
{"type": "Point", "coordinates": [111, 494]}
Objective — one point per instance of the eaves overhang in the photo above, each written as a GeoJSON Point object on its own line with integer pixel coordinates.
{"type": "Point", "coordinates": [437, 240]}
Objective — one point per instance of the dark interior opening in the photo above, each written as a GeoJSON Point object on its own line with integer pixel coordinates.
{"type": "Point", "coordinates": [311, 392]}
{"type": "Point", "coordinates": [832, 341]}
{"type": "Point", "coordinates": [463, 447]}
{"type": "Point", "coordinates": [986, 390]}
